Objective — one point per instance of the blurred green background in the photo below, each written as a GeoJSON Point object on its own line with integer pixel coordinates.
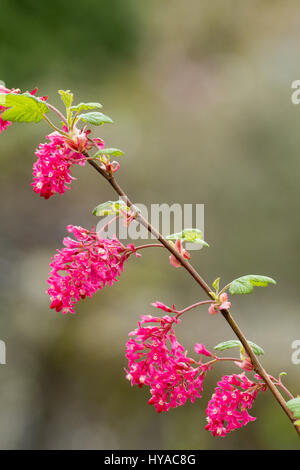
{"type": "Point", "coordinates": [200, 95]}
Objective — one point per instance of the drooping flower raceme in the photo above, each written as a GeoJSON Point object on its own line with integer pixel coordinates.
{"type": "Point", "coordinates": [51, 172]}
{"type": "Point", "coordinates": [83, 267]}
{"type": "Point", "coordinates": [227, 409]}
{"type": "Point", "coordinates": [157, 359]}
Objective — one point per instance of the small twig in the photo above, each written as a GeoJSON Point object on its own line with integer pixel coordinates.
{"type": "Point", "coordinates": [197, 304]}
{"type": "Point", "coordinates": [218, 359]}
{"type": "Point", "coordinates": [62, 117]}
{"type": "Point", "coordinates": [54, 127]}
{"type": "Point", "coordinates": [149, 245]}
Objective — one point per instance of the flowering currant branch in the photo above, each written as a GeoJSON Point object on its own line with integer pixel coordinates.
{"type": "Point", "coordinates": [226, 314]}
{"type": "Point", "coordinates": [89, 261]}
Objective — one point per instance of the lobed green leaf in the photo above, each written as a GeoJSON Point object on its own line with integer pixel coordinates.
{"type": "Point", "coordinates": [245, 284]}
{"type": "Point", "coordinates": [109, 151]}
{"type": "Point", "coordinates": [95, 118]}
{"type": "Point", "coordinates": [85, 107]}
{"type": "Point", "coordinates": [190, 235]}
{"type": "Point", "coordinates": [234, 343]}
{"type": "Point", "coordinates": [67, 97]}
{"type": "Point", "coordinates": [110, 208]}
{"type": "Point", "coordinates": [294, 406]}
{"type": "Point", "coordinates": [23, 108]}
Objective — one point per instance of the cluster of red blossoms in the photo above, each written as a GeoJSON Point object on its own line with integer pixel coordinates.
{"type": "Point", "coordinates": [227, 409]}
{"type": "Point", "coordinates": [51, 172]}
{"type": "Point", "coordinates": [156, 359]}
{"type": "Point", "coordinates": [87, 263]}
{"type": "Point", "coordinates": [83, 267]}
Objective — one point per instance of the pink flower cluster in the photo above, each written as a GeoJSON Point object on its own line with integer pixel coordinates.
{"type": "Point", "coordinates": [227, 409]}
{"type": "Point", "coordinates": [3, 124]}
{"type": "Point", "coordinates": [157, 359]}
{"type": "Point", "coordinates": [83, 267]}
{"type": "Point", "coordinates": [51, 172]}
{"type": "Point", "coordinates": [221, 304]}
{"type": "Point", "coordinates": [182, 251]}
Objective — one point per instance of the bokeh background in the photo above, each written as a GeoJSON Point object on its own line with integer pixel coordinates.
{"type": "Point", "coordinates": [200, 93]}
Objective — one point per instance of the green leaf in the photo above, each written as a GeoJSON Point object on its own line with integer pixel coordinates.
{"type": "Point", "coordinates": [294, 406]}
{"type": "Point", "coordinates": [110, 151]}
{"type": "Point", "coordinates": [245, 284]}
{"type": "Point", "coordinates": [95, 118]}
{"type": "Point", "coordinates": [234, 343]}
{"type": "Point", "coordinates": [282, 374]}
{"type": "Point", "coordinates": [23, 108]}
{"type": "Point", "coordinates": [85, 107]}
{"type": "Point", "coordinates": [190, 235]}
{"type": "Point", "coordinates": [297, 423]}
{"type": "Point", "coordinates": [67, 97]}
{"type": "Point", "coordinates": [109, 208]}
{"type": "Point", "coordinates": [216, 284]}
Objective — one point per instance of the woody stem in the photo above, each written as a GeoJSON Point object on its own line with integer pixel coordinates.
{"type": "Point", "coordinates": [189, 268]}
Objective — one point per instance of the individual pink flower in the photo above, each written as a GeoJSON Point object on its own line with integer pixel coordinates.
{"type": "Point", "coordinates": [3, 124]}
{"type": "Point", "coordinates": [112, 167]}
{"type": "Point", "coordinates": [34, 92]}
{"type": "Point", "coordinates": [227, 409]}
{"type": "Point", "coordinates": [245, 364]}
{"type": "Point", "coordinates": [179, 247]}
{"type": "Point", "coordinates": [162, 306]}
{"type": "Point", "coordinates": [85, 265]}
{"type": "Point", "coordinates": [156, 359]}
{"type": "Point", "coordinates": [79, 140]}
{"type": "Point", "coordinates": [99, 142]}
{"type": "Point", "coordinates": [221, 304]}
{"type": "Point", "coordinates": [5, 90]}
{"type": "Point", "coordinates": [201, 349]}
